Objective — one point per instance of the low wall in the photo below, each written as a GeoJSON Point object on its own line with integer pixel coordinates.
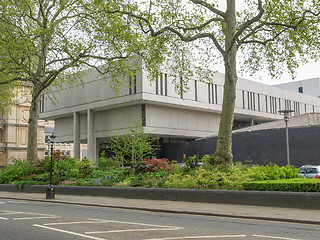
{"type": "Point", "coordinates": [257, 198]}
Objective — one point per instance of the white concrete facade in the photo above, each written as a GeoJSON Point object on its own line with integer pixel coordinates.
{"type": "Point", "coordinates": [93, 112]}
{"type": "Point", "coordinates": [308, 86]}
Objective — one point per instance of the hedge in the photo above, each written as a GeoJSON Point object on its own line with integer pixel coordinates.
{"type": "Point", "coordinates": [288, 185]}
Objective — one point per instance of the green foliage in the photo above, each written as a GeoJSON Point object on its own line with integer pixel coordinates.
{"type": "Point", "coordinates": [20, 184]}
{"type": "Point", "coordinates": [85, 167]}
{"type": "Point", "coordinates": [152, 165]}
{"type": "Point", "coordinates": [290, 185]}
{"type": "Point", "coordinates": [105, 178]}
{"type": "Point", "coordinates": [133, 147]}
{"type": "Point", "coordinates": [149, 179]}
{"type": "Point", "coordinates": [270, 35]}
{"type": "Point", "coordinates": [273, 172]}
{"type": "Point", "coordinates": [192, 162]}
{"type": "Point", "coordinates": [41, 44]}
{"type": "Point", "coordinates": [7, 94]}
{"type": "Point", "coordinates": [157, 173]}
{"type": "Point", "coordinates": [104, 163]}
{"type": "Point", "coordinates": [17, 170]}
{"type": "Point", "coordinates": [65, 170]}
{"type": "Point", "coordinates": [208, 159]}
{"type": "Point", "coordinates": [227, 177]}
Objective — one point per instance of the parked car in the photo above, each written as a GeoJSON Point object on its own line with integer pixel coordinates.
{"type": "Point", "coordinates": [309, 171]}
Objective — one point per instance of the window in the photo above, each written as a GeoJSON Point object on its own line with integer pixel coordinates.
{"type": "Point", "coordinates": [279, 104]}
{"type": "Point", "coordinates": [143, 114]}
{"type": "Point", "coordinates": [243, 100]}
{"type": "Point", "coordinates": [297, 108]}
{"type": "Point", "coordinates": [300, 89]}
{"type": "Point", "coordinates": [216, 93]}
{"type": "Point", "coordinates": [181, 87]}
{"type": "Point", "coordinates": [305, 108]}
{"type": "Point", "coordinates": [166, 84]}
{"type": "Point", "coordinates": [157, 86]}
{"type": "Point", "coordinates": [161, 83]}
{"type": "Point", "coordinates": [209, 93]}
{"type": "Point", "coordinates": [133, 85]}
{"type": "Point", "coordinates": [266, 103]}
{"type": "Point", "coordinates": [254, 101]}
{"type": "Point", "coordinates": [212, 93]}
{"type": "Point", "coordinates": [195, 90]}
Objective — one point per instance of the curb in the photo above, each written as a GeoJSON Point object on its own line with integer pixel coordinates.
{"type": "Point", "coordinates": [273, 219]}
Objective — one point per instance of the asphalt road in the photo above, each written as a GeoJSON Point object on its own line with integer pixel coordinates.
{"type": "Point", "coordinates": [38, 220]}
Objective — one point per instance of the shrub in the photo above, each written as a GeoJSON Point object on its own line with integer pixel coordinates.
{"type": "Point", "coordinates": [292, 185]}
{"type": "Point", "coordinates": [15, 171]}
{"type": "Point", "coordinates": [149, 179]}
{"type": "Point", "coordinates": [106, 178]}
{"type": "Point", "coordinates": [192, 162]}
{"type": "Point", "coordinates": [85, 167]}
{"type": "Point", "coordinates": [65, 169]}
{"type": "Point", "coordinates": [208, 159]}
{"type": "Point", "coordinates": [272, 172]}
{"type": "Point", "coordinates": [104, 163]}
{"type": "Point", "coordinates": [153, 165]}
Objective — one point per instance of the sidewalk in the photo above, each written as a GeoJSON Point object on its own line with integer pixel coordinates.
{"type": "Point", "coordinates": [209, 209]}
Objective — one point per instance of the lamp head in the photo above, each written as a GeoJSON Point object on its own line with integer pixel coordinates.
{"type": "Point", "coordinates": [286, 114]}
{"type": "Point", "coordinates": [52, 137]}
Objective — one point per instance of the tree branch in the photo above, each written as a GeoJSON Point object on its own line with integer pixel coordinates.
{"type": "Point", "coordinates": [266, 41]}
{"type": "Point", "coordinates": [210, 7]}
{"type": "Point", "coordinates": [247, 24]}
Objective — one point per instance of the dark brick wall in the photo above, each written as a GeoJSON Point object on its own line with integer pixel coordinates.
{"type": "Point", "coordinates": [260, 147]}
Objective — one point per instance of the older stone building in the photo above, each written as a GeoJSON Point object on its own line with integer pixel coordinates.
{"type": "Point", "coordinates": [14, 129]}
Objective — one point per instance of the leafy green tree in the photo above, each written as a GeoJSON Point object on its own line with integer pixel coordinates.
{"type": "Point", "coordinates": [133, 147]}
{"type": "Point", "coordinates": [272, 34]}
{"type": "Point", "coordinates": [6, 97]}
{"type": "Point", "coordinates": [43, 41]}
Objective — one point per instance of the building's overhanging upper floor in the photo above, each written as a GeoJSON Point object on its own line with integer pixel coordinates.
{"type": "Point", "coordinates": [254, 100]}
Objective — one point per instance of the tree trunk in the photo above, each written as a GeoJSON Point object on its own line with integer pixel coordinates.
{"type": "Point", "coordinates": [32, 152]}
{"type": "Point", "coordinates": [223, 153]}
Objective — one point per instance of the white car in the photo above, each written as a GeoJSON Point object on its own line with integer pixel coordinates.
{"type": "Point", "coordinates": [309, 171]}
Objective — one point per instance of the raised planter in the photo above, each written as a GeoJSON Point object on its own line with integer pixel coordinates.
{"type": "Point", "coordinates": [257, 198]}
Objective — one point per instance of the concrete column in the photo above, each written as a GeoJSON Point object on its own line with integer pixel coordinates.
{"type": "Point", "coordinates": [252, 122]}
{"type": "Point", "coordinates": [90, 135]}
{"type": "Point", "coordinates": [76, 134]}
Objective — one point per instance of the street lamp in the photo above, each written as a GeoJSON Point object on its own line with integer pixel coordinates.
{"type": "Point", "coordinates": [286, 119]}
{"type": "Point", "coordinates": [50, 189]}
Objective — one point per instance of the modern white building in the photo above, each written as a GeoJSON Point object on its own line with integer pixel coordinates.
{"type": "Point", "coordinates": [92, 112]}
{"type": "Point", "coordinates": [308, 86]}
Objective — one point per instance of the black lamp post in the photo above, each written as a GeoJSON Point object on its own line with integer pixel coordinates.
{"type": "Point", "coordinates": [50, 190]}
{"type": "Point", "coordinates": [286, 119]}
